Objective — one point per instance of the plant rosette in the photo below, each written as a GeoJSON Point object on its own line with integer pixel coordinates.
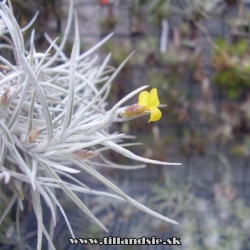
{"type": "Point", "coordinates": [53, 121]}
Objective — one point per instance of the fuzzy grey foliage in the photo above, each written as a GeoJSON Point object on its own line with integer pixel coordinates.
{"type": "Point", "coordinates": [53, 121]}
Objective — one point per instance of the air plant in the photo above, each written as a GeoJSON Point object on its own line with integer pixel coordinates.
{"type": "Point", "coordinates": [198, 10]}
{"type": "Point", "coordinates": [180, 56]}
{"type": "Point", "coordinates": [235, 126]}
{"type": "Point", "coordinates": [193, 143]}
{"type": "Point", "coordinates": [232, 65]}
{"type": "Point", "coordinates": [194, 10]}
{"type": "Point", "coordinates": [159, 10]}
{"type": "Point", "coordinates": [119, 51]}
{"type": "Point", "coordinates": [137, 17]}
{"type": "Point", "coordinates": [109, 22]}
{"type": "Point", "coordinates": [53, 121]}
{"type": "Point", "coordinates": [240, 27]}
{"type": "Point", "coordinates": [177, 56]}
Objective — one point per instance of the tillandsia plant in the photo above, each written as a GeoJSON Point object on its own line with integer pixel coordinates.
{"type": "Point", "coordinates": [198, 10]}
{"type": "Point", "coordinates": [53, 121]}
{"type": "Point", "coordinates": [232, 64]}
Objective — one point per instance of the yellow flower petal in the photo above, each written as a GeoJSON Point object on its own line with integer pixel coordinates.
{"type": "Point", "coordinates": [143, 99]}
{"type": "Point", "coordinates": [153, 99]}
{"type": "Point", "coordinates": [155, 115]}
{"type": "Point", "coordinates": [150, 101]}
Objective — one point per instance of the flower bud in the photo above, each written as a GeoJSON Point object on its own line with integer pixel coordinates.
{"type": "Point", "coordinates": [132, 111]}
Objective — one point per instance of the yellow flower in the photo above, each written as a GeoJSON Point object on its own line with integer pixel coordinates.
{"type": "Point", "coordinates": [150, 101]}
